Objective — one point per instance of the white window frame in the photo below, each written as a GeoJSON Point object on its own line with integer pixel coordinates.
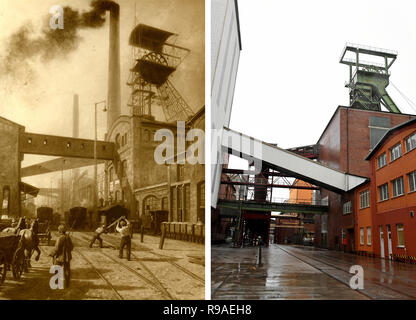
{"type": "Point", "coordinates": [410, 142]}
{"type": "Point", "coordinates": [365, 199]}
{"type": "Point", "coordinates": [362, 236]}
{"type": "Point", "coordinates": [369, 236]}
{"type": "Point", "coordinates": [383, 192]}
{"type": "Point", "coordinates": [397, 188]}
{"type": "Point", "coordinates": [382, 160]}
{"type": "Point", "coordinates": [400, 228]}
{"type": "Point", "coordinates": [396, 152]}
{"type": "Point", "coordinates": [412, 181]}
{"type": "Point", "coordinates": [347, 207]}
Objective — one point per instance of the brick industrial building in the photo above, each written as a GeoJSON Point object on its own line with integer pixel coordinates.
{"type": "Point", "coordinates": [130, 175]}
{"type": "Point", "coordinates": [385, 207]}
{"type": "Point", "coordinates": [351, 134]}
{"type": "Point", "coordinates": [345, 143]}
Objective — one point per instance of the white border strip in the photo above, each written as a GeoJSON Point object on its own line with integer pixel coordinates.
{"type": "Point", "coordinates": [208, 150]}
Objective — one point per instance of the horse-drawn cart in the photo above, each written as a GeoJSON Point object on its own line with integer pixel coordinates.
{"type": "Point", "coordinates": [11, 256]}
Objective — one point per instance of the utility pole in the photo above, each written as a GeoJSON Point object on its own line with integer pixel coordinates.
{"type": "Point", "coordinates": [62, 188]}
{"type": "Point", "coordinates": [95, 160]}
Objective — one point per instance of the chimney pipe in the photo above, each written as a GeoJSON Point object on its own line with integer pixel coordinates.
{"type": "Point", "coordinates": [114, 96]}
{"type": "Point", "coordinates": [75, 119]}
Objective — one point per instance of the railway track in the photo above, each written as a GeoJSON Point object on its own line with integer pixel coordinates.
{"type": "Point", "coordinates": [155, 283]}
{"type": "Point", "coordinates": [322, 260]}
{"type": "Point", "coordinates": [179, 267]}
{"type": "Point", "coordinates": [113, 289]}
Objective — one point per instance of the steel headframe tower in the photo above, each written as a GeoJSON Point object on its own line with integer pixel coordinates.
{"type": "Point", "coordinates": [156, 57]}
{"type": "Point", "coordinates": [368, 80]}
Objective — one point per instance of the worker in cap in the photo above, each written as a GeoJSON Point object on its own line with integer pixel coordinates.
{"type": "Point", "coordinates": [123, 227]}
{"type": "Point", "coordinates": [61, 229]}
{"type": "Point", "coordinates": [97, 235]}
{"type": "Point", "coordinates": [62, 253]}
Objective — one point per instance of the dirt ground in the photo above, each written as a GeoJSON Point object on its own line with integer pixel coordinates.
{"type": "Point", "coordinates": [176, 272]}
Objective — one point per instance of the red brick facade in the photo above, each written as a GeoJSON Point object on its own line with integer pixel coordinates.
{"type": "Point", "coordinates": [344, 145]}
{"type": "Point", "coordinates": [395, 212]}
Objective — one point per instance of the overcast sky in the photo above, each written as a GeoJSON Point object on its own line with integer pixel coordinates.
{"type": "Point", "coordinates": [44, 104]}
{"type": "Point", "coordinates": [290, 81]}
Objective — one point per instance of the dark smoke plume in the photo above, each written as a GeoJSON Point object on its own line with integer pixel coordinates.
{"type": "Point", "coordinates": [26, 45]}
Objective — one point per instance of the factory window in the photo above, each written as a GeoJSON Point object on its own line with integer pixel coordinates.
{"type": "Point", "coordinates": [369, 236]}
{"type": "Point", "coordinates": [201, 202]}
{"type": "Point", "coordinates": [117, 140]}
{"type": "Point", "coordinates": [124, 168]}
{"type": "Point", "coordinates": [174, 197]}
{"type": "Point", "coordinates": [395, 152]}
{"type": "Point", "coordinates": [181, 173]}
{"type": "Point", "coordinates": [45, 142]}
{"type": "Point", "coordinates": [146, 135]}
{"type": "Point", "coordinates": [29, 140]}
{"type": "Point", "coordinates": [183, 203]}
{"type": "Point", "coordinates": [68, 145]}
{"type": "Point", "coordinates": [411, 142]}
{"type": "Point", "coordinates": [398, 187]}
{"type": "Point", "coordinates": [347, 207]}
{"type": "Point", "coordinates": [165, 203]}
{"type": "Point", "coordinates": [382, 160]}
{"type": "Point", "coordinates": [412, 181]}
{"type": "Point", "coordinates": [150, 204]}
{"type": "Point", "coordinates": [364, 199]}
{"type": "Point", "coordinates": [124, 140]}
{"type": "Point", "coordinates": [180, 204]}
{"type": "Point", "coordinates": [362, 236]}
{"type": "Point", "coordinates": [400, 235]}
{"type": "Point", "coordinates": [383, 192]}
{"type": "Point", "coordinates": [378, 127]}
{"type": "Point", "coordinates": [187, 202]}
{"type": "Point", "coordinates": [111, 174]}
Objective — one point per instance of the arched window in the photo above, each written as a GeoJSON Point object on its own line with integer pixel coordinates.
{"type": "Point", "coordinates": [124, 168]}
{"type": "Point", "coordinates": [111, 174]}
{"type": "Point", "coordinates": [165, 203]}
{"type": "Point", "coordinates": [117, 141]}
{"type": "Point", "coordinates": [146, 135]}
{"type": "Point", "coordinates": [150, 203]}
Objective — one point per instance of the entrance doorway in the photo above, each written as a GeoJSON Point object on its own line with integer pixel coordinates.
{"type": "Point", "coordinates": [350, 239]}
{"type": "Point", "coordinates": [381, 242]}
{"type": "Point", "coordinates": [389, 241]}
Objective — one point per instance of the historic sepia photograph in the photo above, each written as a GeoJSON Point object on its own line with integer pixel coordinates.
{"type": "Point", "coordinates": [102, 171]}
{"type": "Point", "coordinates": [314, 150]}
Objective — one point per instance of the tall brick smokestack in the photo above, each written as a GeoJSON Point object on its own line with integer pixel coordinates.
{"type": "Point", "coordinates": [75, 134]}
{"type": "Point", "coordinates": [75, 119]}
{"type": "Point", "coordinates": [114, 96]}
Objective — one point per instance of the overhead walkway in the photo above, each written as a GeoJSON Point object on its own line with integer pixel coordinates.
{"type": "Point", "coordinates": [232, 208]}
{"type": "Point", "coordinates": [262, 153]}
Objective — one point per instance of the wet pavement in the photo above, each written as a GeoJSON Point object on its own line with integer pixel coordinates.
{"type": "Point", "coordinates": [297, 272]}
